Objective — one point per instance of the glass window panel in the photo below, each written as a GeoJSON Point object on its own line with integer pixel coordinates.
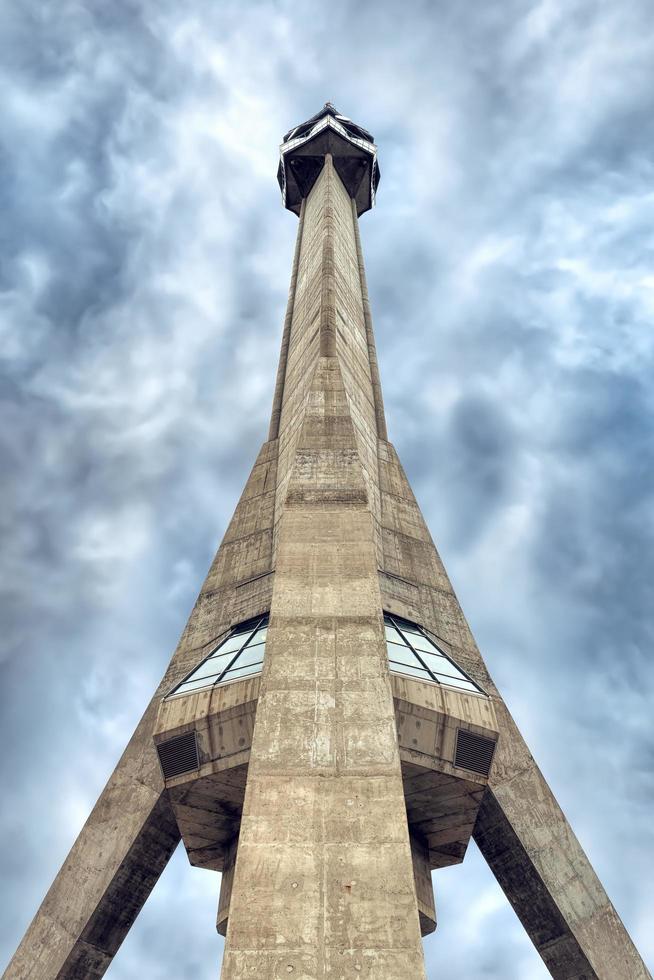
{"type": "Point", "coordinates": [211, 667]}
{"type": "Point", "coordinates": [426, 649]}
{"type": "Point", "coordinates": [231, 675]}
{"type": "Point", "coordinates": [413, 671]}
{"type": "Point", "coordinates": [251, 655]}
{"type": "Point", "coordinates": [423, 643]}
{"type": "Point", "coordinates": [402, 654]}
{"type": "Point", "coordinates": [222, 658]}
{"type": "Point", "coordinates": [459, 682]}
{"type": "Point", "coordinates": [232, 643]}
{"type": "Point", "coordinates": [195, 685]}
{"type": "Point", "coordinates": [408, 628]}
{"type": "Point", "coordinates": [255, 643]}
{"type": "Point", "coordinates": [441, 665]}
{"type": "Point", "coordinates": [246, 661]}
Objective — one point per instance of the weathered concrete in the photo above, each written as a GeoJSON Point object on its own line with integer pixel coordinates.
{"type": "Point", "coordinates": [324, 876]}
{"type": "Point", "coordinates": [207, 803]}
{"type": "Point", "coordinates": [442, 800]}
{"type": "Point", "coordinates": [328, 319]}
{"type": "Point", "coordinates": [424, 887]}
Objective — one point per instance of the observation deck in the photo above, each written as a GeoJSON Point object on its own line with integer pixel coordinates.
{"type": "Point", "coordinates": [303, 151]}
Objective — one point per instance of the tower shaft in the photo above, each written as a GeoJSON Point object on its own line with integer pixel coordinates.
{"type": "Point", "coordinates": [328, 316]}
{"type": "Point", "coordinates": [324, 885]}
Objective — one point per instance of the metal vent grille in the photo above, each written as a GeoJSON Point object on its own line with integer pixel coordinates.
{"type": "Point", "coordinates": [473, 752]}
{"type": "Point", "coordinates": [179, 755]}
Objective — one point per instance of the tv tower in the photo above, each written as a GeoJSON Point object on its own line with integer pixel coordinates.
{"type": "Point", "coordinates": [327, 733]}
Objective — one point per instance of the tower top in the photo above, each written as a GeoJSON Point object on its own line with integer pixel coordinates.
{"type": "Point", "coordinates": [302, 155]}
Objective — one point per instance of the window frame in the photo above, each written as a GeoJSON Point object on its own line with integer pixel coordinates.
{"type": "Point", "coordinates": [251, 627]}
{"type": "Point", "coordinates": [390, 619]}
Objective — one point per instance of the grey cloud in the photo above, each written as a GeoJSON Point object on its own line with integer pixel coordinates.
{"type": "Point", "coordinates": [144, 263]}
{"type": "Point", "coordinates": [481, 442]}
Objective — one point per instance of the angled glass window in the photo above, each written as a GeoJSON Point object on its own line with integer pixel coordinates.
{"type": "Point", "coordinates": [239, 654]}
{"type": "Point", "coordinates": [413, 652]}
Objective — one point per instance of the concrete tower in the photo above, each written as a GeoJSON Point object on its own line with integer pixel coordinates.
{"type": "Point", "coordinates": [326, 733]}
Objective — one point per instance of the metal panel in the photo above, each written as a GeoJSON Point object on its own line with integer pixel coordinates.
{"type": "Point", "coordinates": [179, 755]}
{"type": "Point", "coordinates": [473, 752]}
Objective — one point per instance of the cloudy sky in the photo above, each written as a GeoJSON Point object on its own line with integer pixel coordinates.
{"type": "Point", "coordinates": [144, 267]}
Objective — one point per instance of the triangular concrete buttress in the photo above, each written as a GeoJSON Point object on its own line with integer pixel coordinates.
{"type": "Point", "coordinates": [131, 832]}
{"type": "Point", "coordinates": [324, 862]}
{"type": "Point", "coordinates": [521, 830]}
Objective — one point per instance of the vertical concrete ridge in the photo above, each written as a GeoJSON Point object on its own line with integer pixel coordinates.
{"type": "Point", "coordinates": [324, 429]}
{"type": "Point", "coordinates": [327, 276]}
{"type": "Point", "coordinates": [323, 881]}
{"type": "Point", "coordinates": [328, 320]}
{"type": "Point", "coordinates": [280, 382]}
{"type": "Point", "coordinates": [343, 322]}
{"type": "Point", "coordinates": [288, 443]}
{"type": "Point", "coordinates": [327, 458]}
{"type": "Point", "coordinates": [370, 335]}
